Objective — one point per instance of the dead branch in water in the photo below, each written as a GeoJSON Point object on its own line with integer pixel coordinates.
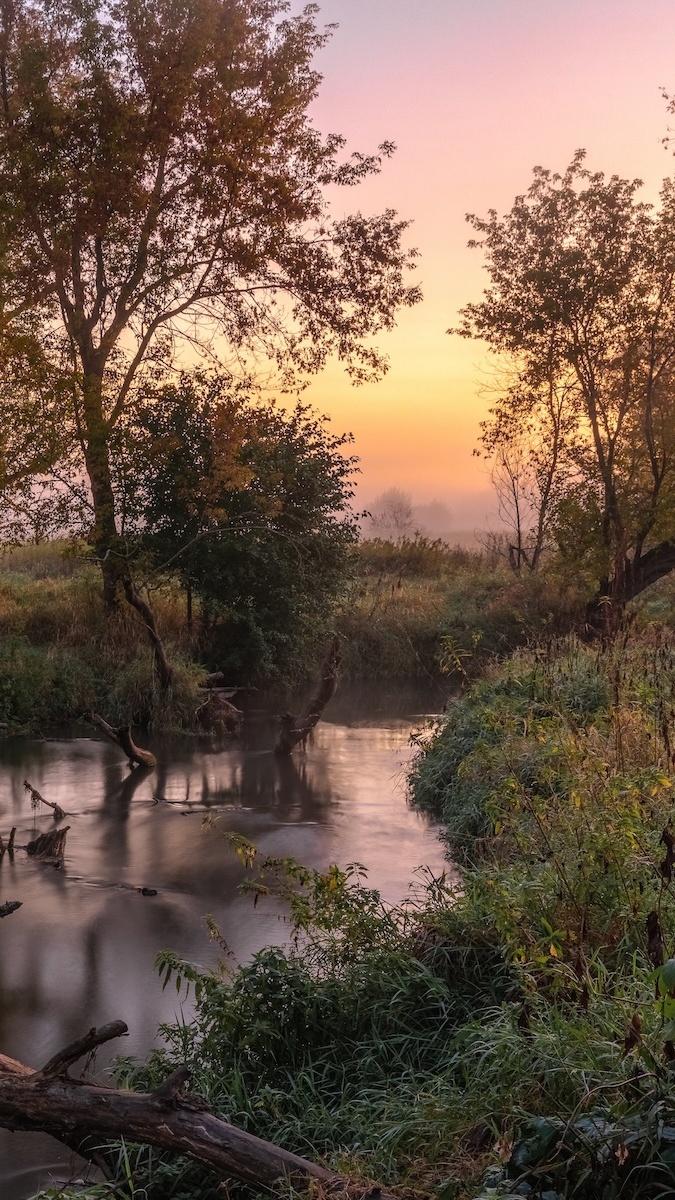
{"type": "Point", "coordinates": [122, 738]}
{"type": "Point", "coordinates": [37, 800]}
{"type": "Point", "coordinates": [295, 729]}
{"type": "Point", "coordinates": [218, 715]}
{"type": "Point", "coordinates": [50, 847]}
{"type": "Point", "coordinates": [78, 1113]}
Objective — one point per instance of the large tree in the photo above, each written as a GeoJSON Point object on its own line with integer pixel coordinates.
{"type": "Point", "coordinates": [249, 504]}
{"type": "Point", "coordinates": [161, 184]}
{"type": "Point", "coordinates": [581, 308]}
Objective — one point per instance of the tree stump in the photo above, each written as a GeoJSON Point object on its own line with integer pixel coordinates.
{"type": "Point", "coordinates": [49, 847]}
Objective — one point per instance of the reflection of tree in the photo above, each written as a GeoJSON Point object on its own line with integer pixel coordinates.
{"type": "Point", "coordinates": [295, 786]}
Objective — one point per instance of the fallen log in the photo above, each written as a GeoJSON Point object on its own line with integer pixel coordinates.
{"type": "Point", "coordinates": [295, 729]}
{"type": "Point", "coordinates": [78, 1113]}
{"type": "Point", "coordinates": [122, 738]}
{"type": "Point", "coordinates": [9, 906]}
{"type": "Point", "coordinates": [36, 800]}
{"type": "Point", "coordinates": [49, 847]}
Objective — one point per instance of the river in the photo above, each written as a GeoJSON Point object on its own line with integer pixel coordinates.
{"type": "Point", "coordinates": [81, 949]}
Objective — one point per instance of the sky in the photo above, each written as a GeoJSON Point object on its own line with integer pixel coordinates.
{"type": "Point", "coordinates": [475, 93]}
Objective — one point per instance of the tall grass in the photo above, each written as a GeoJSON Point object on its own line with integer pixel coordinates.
{"type": "Point", "coordinates": [62, 655]}
{"type": "Point", "coordinates": [418, 607]}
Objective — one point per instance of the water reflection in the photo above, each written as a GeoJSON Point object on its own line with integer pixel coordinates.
{"type": "Point", "coordinates": [81, 950]}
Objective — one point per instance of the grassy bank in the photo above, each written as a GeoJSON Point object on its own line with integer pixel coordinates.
{"type": "Point", "coordinates": [61, 656]}
{"type": "Point", "coordinates": [408, 610]}
{"type": "Point", "coordinates": [513, 1036]}
{"type": "Point", "coordinates": [419, 605]}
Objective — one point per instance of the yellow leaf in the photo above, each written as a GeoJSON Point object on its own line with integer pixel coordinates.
{"type": "Point", "coordinates": [553, 952]}
{"type": "Point", "coordinates": [576, 799]}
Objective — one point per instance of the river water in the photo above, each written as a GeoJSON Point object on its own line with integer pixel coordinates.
{"type": "Point", "coordinates": [81, 949]}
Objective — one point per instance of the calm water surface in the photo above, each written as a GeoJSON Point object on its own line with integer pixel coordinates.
{"type": "Point", "coordinates": [81, 950]}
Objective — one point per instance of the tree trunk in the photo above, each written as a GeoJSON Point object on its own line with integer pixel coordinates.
{"type": "Point", "coordinates": [122, 738]}
{"type": "Point", "coordinates": [96, 447]}
{"type": "Point", "coordinates": [606, 608]}
{"type": "Point", "coordinates": [295, 729]}
{"type": "Point", "coordinates": [80, 1114]}
{"type": "Point", "coordinates": [162, 668]}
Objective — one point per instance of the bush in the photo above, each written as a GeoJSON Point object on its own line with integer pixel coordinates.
{"type": "Point", "coordinates": [39, 687]}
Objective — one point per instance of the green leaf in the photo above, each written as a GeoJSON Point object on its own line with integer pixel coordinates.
{"type": "Point", "coordinates": [668, 974]}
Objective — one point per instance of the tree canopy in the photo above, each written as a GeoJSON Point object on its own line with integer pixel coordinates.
{"type": "Point", "coordinates": [581, 310]}
{"type": "Point", "coordinates": [162, 187]}
{"type": "Point", "coordinates": [250, 506]}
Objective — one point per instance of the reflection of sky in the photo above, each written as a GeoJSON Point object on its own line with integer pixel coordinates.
{"type": "Point", "coordinates": [81, 950]}
{"type": "Point", "coordinates": [475, 93]}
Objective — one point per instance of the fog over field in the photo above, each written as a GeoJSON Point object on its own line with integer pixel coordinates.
{"type": "Point", "coordinates": [459, 517]}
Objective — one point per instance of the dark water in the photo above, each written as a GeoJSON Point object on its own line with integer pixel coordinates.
{"type": "Point", "coordinates": [81, 950]}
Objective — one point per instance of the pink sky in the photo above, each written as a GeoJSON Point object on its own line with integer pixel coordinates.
{"type": "Point", "coordinates": [474, 93]}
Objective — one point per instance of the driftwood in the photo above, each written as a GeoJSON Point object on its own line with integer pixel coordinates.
{"type": "Point", "coordinates": [122, 738]}
{"type": "Point", "coordinates": [37, 800]}
{"type": "Point", "coordinates": [295, 729]}
{"type": "Point", "coordinates": [9, 906]}
{"type": "Point", "coordinates": [79, 1113]}
{"type": "Point", "coordinates": [50, 847]}
{"type": "Point", "coordinates": [9, 848]}
{"type": "Point", "coordinates": [218, 715]}
{"type": "Point", "coordinates": [216, 681]}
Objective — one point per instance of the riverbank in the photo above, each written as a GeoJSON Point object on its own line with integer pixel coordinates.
{"type": "Point", "coordinates": [512, 1035]}
{"type": "Point", "coordinates": [415, 609]}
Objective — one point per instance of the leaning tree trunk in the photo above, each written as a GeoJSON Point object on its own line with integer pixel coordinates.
{"type": "Point", "coordinates": [605, 610]}
{"type": "Point", "coordinates": [295, 729]}
{"type": "Point", "coordinates": [81, 1114]}
{"type": "Point", "coordinates": [162, 666]}
{"type": "Point", "coordinates": [122, 738]}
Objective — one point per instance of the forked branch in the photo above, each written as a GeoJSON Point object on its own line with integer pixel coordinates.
{"type": "Point", "coordinates": [78, 1113]}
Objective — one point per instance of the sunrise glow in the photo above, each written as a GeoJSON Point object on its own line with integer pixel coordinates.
{"type": "Point", "coordinates": [475, 93]}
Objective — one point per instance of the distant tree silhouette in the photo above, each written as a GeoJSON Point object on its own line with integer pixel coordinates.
{"type": "Point", "coordinates": [391, 515]}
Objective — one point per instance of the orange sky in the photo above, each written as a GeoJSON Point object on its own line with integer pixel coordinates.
{"type": "Point", "coordinates": [474, 93]}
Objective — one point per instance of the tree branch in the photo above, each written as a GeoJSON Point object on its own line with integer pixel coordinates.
{"type": "Point", "coordinates": [77, 1112]}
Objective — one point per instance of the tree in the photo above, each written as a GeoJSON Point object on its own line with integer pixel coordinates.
{"type": "Point", "coordinates": [530, 439]}
{"type": "Point", "coordinates": [581, 305]}
{"type": "Point", "coordinates": [162, 187]}
{"type": "Point", "coordinates": [392, 514]}
{"type": "Point", "coordinates": [250, 506]}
